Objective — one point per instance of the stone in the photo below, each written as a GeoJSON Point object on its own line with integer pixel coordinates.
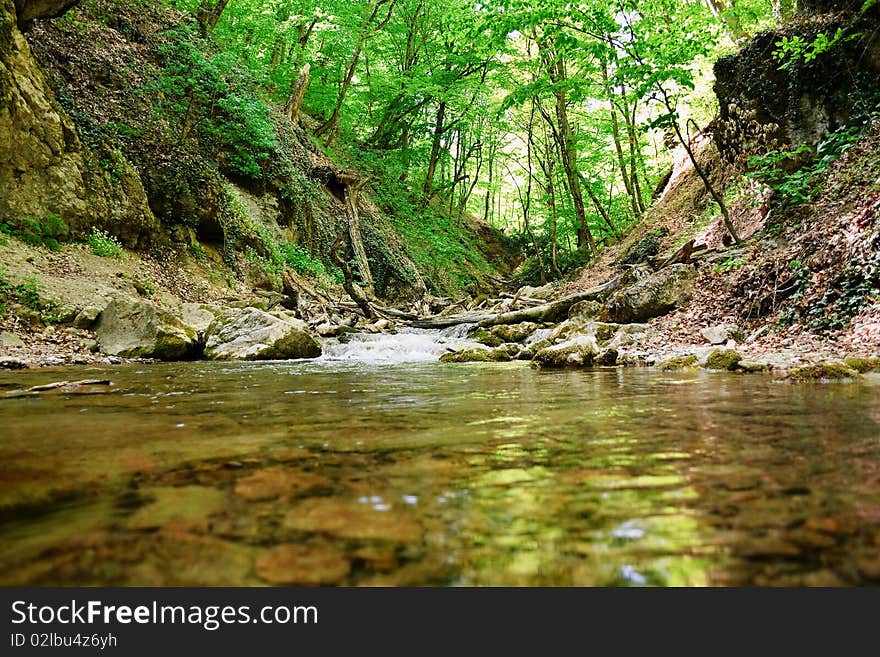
{"type": "Point", "coordinates": [654, 295]}
{"type": "Point", "coordinates": [514, 332]}
{"type": "Point", "coordinates": [44, 167]}
{"type": "Point", "coordinates": [271, 483]}
{"type": "Point", "coordinates": [488, 338]}
{"type": "Point", "coordinates": [723, 359]}
{"type": "Point", "coordinates": [198, 316]}
{"type": "Point", "coordinates": [87, 316]}
{"type": "Point", "coordinates": [352, 519]}
{"type": "Point", "coordinates": [829, 370]}
{"type": "Point", "coordinates": [720, 334]}
{"type": "Point", "coordinates": [302, 565]}
{"type": "Point", "coordinates": [10, 363]}
{"type": "Point", "coordinates": [586, 310]}
{"type": "Point", "coordinates": [475, 355]}
{"type": "Point", "coordinates": [862, 365]}
{"type": "Point", "coordinates": [8, 339]}
{"type": "Point", "coordinates": [607, 357]}
{"type": "Point", "coordinates": [136, 328]}
{"type": "Point", "coordinates": [681, 362]}
{"type": "Point", "coordinates": [576, 352]}
{"type": "Point", "coordinates": [252, 334]}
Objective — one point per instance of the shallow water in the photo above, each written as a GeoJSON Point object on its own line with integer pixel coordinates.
{"type": "Point", "coordinates": [354, 473]}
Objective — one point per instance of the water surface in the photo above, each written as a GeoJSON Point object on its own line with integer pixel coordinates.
{"type": "Point", "coordinates": [363, 473]}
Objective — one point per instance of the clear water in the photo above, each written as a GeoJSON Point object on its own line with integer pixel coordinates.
{"type": "Point", "coordinates": [359, 471]}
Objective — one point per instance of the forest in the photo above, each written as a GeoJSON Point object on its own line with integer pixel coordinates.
{"type": "Point", "coordinates": [439, 293]}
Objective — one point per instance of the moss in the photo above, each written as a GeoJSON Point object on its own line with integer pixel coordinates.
{"type": "Point", "coordinates": [825, 371]}
{"type": "Point", "coordinates": [683, 362]}
{"type": "Point", "coordinates": [862, 365]}
{"type": "Point", "coordinates": [487, 338]}
{"type": "Point", "coordinates": [514, 332]}
{"type": "Point", "coordinates": [723, 359]}
{"type": "Point", "coordinates": [467, 356]}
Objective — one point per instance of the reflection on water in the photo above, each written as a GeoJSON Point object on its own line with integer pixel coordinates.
{"type": "Point", "coordinates": [424, 474]}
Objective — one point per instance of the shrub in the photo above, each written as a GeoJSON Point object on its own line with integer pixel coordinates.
{"type": "Point", "coordinates": [47, 232]}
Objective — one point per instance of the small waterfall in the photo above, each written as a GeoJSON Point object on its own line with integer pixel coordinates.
{"type": "Point", "coordinates": [405, 346]}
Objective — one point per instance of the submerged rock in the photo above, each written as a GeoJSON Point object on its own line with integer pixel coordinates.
{"type": "Point", "coordinates": [354, 520]}
{"type": "Point", "coordinates": [270, 483]}
{"type": "Point", "coordinates": [654, 295]}
{"type": "Point", "coordinates": [252, 334]}
{"type": "Point", "coordinates": [302, 565]}
{"type": "Point", "coordinates": [579, 351]}
{"type": "Point", "coordinates": [134, 328]}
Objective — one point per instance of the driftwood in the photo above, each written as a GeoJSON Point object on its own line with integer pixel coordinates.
{"type": "Point", "coordinates": [554, 311]}
{"type": "Point", "coordinates": [84, 387]}
{"type": "Point", "coordinates": [356, 294]}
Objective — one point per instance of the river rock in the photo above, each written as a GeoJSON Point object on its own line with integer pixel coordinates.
{"type": "Point", "coordinates": [653, 295]}
{"type": "Point", "coordinates": [586, 310]}
{"type": "Point", "coordinates": [354, 520]}
{"type": "Point", "coordinates": [252, 334]}
{"type": "Point", "coordinates": [302, 565]}
{"type": "Point", "coordinates": [135, 328]}
{"type": "Point", "coordinates": [579, 351]}
{"type": "Point", "coordinates": [514, 332]}
{"type": "Point", "coordinates": [720, 334]}
{"type": "Point", "coordinates": [723, 359]}
{"type": "Point", "coordinates": [8, 339]}
{"type": "Point", "coordinates": [199, 316]}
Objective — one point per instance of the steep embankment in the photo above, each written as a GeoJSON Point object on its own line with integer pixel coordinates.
{"type": "Point", "coordinates": [797, 152]}
{"type": "Point", "coordinates": [120, 123]}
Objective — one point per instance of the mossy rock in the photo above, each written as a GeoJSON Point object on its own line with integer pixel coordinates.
{"type": "Point", "coordinates": [723, 359]}
{"type": "Point", "coordinates": [475, 355]}
{"type": "Point", "coordinates": [829, 370]}
{"type": "Point", "coordinates": [683, 362]}
{"type": "Point", "coordinates": [862, 365]}
{"type": "Point", "coordinates": [513, 332]}
{"type": "Point", "coordinates": [580, 351]}
{"type": "Point", "coordinates": [487, 338]}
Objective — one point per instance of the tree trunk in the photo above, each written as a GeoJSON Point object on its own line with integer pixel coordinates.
{"type": "Point", "coordinates": [354, 234]}
{"type": "Point", "coordinates": [297, 93]}
{"type": "Point", "coordinates": [435, 151]}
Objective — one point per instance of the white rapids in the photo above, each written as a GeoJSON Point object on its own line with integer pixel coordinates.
{"type": "Point", "coordinates": [408, 345]}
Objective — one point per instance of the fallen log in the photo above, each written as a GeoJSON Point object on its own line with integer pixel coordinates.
{"type": "Point", "coordinates": [554, 311]}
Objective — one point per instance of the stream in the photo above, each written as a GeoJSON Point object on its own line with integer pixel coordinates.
{"type": "Point", "coordinates": [377, 465]}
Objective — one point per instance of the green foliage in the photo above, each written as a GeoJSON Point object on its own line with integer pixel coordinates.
{"type": "Point", "coordinates": [105, 245]}
{"type": "Point", "coordinates": [795, 182]}
{"type": "Point", "coordinates": [729, 265]}
{"type": "Point", "coordinates": [48, 232]}
{"type": "Point", "coordinates": [196, 251]}
{"type": "Point", "coordinates": [215, 94]}
{"type": "Point", "coordinates": [28, 294]}
{"type": "Point", "coordinates": [796, 49]}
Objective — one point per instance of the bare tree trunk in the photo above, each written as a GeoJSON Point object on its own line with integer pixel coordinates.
{"type": "Point", "coordinates": [439, 129]}
{"type": "Point", "coordinates": [297, 93]}
{"type": "Point", "coordinates": [354, 233]}
{"type": "Point", "coordinates": [209, 14]}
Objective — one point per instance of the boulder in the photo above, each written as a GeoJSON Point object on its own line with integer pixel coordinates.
{"type": "Point", "coordinates": [252, 334]}
{"type": "Point", "coordinates": [513, 332]}
{"type": "Point", "coordinates": [720, 334]}
{"type": "Point", "coordinates": [8, 339]}
{"type": "Point", "coordinates": [653, 295]}
{"type": "Point", "coordinates": [199, 316]}
{"type": "Point", "coordinates": [586, 310]}
{"type": "Point", "coordinates": [135, 328]}
{"type": "Point", "coordinates": [723, 359]}
{"type": "Point", "coordinates": [579, 351]}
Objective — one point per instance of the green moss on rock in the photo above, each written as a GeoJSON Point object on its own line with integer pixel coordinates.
{"type": "Point", "coordinates": [723, 359]}
{"type": "Point", "coordinates": [825, 371]}
{"type": "Point", "coordinates": [862, 365]}
{"type": "Point", "coordinates": [683, 362]}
